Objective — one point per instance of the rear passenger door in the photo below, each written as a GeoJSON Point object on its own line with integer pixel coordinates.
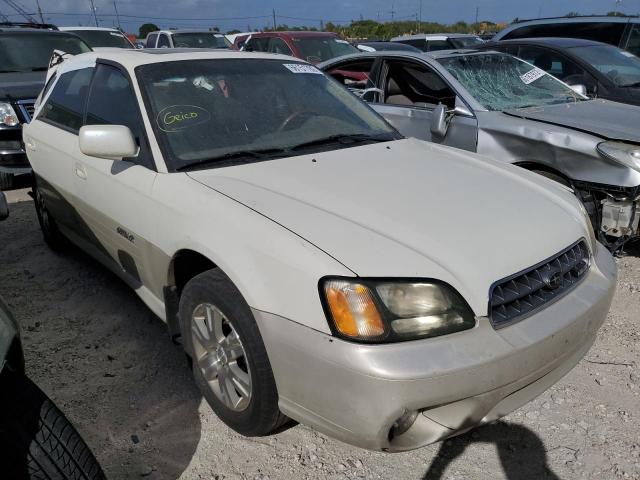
{"type": "Point", "coordinates": [56, 127]}
{"type": "Point", "coordinates": [411, 91]}
{"type": "Point", "coordinates": [114, 196]}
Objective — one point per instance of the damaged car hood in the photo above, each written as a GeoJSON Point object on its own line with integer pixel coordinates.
{"type": "Point", "coordinates": [411, 209]}
{"type": "Point", "coordinates": [606, 119]}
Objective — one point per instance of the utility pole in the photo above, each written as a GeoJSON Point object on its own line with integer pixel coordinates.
{"type": "Point", "coordinates": [93, 10]}
{"type": "Point", "coordinates": [40, 11]}
{"type": "Point", "coordinates": [115, 7]}
{"type": "Point", "coordinates": [275, 26]}
{"type": "Point", "coordinates": [420, 19]}
{"type": "Point", "coordinates": [477, 10]}
{"type": "Point", "coordinates": [393, 10]}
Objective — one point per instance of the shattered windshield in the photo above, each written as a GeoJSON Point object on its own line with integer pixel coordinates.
{"type": "Point", "coordinates": [502, 82]}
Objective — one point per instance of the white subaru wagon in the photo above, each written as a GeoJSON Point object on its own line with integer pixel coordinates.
{"type": "Point", "coordinates": [316, 265]}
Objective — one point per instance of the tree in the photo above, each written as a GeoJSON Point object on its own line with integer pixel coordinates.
{"type": "Point", "coordinates": [146, 29]}
{"type": "Point", "coordinates": [572, 14]}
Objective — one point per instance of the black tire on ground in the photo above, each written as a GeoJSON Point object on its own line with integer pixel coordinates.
{"type": "Point", "coordinates": [52, 235]}
{"type": "Point", "coordinates": [36, 439]}
{"type": "Point", "coordinates": [262, 416]}
{"type": "Point", "coordinates": [6, 181]}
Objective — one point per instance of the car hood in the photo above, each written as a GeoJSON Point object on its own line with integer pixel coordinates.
{"type": "Point", "coordinates": [21, 85]}
{"type": "Point", "coordinates": [411, 209]}
{"type": "Point", "coordinates": [604, 118]}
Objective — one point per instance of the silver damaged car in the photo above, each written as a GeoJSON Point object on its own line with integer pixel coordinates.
{"type": "Point", "coordinates": [507, 109]}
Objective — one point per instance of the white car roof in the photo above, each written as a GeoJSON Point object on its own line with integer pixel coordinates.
{"type": "Point", "coordinates": [132, 58]}
{"type": "Point", "coordinates": [77, 29]}
{"type": "Point", "coordinates": [433, 36]}
{"type": "Point", "coordinates": [188, 30]}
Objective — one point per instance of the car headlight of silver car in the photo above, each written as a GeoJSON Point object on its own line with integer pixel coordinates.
{"type": "Point", "coordinates": [8, 115]}
{"type": "Point", "coordinates": [380, 311]}
{"type": "Point", "coordinates": [624, 153]}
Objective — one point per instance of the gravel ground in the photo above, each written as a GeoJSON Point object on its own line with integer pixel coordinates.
{"type": "Point", "coordinates": [107, 361]}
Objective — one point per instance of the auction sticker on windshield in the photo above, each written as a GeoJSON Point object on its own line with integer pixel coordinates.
{"type": "Point", "coordinates": [532, 75]}
{"type": "Point", "coordinates": [301, 68]}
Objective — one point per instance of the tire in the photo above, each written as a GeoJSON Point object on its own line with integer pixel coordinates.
{"type": "Point", "coordinates": [6, 181]}
{"type": "Point", "coordinates": [225, 358]}
{"type": "Point", "coordinates": [52, 235]}
{"type": "Point", "coordinates": [36, 439]}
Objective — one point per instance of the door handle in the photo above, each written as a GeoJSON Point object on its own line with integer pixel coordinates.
{"type": "Point", "coordinates": [81, 173]}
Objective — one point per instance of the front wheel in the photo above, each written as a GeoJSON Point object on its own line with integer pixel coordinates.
{"type": "Point", "coordinates": [229, 359]}
{"type": "Point", "coordinates": [36, 439]}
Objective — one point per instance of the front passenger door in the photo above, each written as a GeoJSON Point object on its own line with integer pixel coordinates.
{"type": "Point", "coordinates": [114, 195]}
{"type": "Point", "coordinates": [411, 91]}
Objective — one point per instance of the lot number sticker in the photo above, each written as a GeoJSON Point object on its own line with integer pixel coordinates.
{"type": "Point", "coordinates": [532, 75]}
{"type": "Point", "coordinates": [301, 68]}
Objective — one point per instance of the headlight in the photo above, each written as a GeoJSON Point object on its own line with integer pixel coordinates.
{"type": "Point", "coordinates": [623, 153]}
{"type": "Point", "coordinates": [8, 115]}
{"type": "Point", "coordinates": [391, 311]}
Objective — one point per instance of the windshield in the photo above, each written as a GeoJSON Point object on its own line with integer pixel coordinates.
{"type": "Point", "coordinates": [466, 42]}
{"type": "Point", "coordinates": [25, 52]}
{"type": "Point", "coordinates": [208, 112]}
{"type": "Point", "coordinates": [621, 67]}
{"type": "Point", "coordinates": [502, 82]}
{"type": "Point", "coordinates": [321, 48]}
{"type": "Point", "coordinates": [103, 38]}
{"type": "Point", "coordinates": [199, 40]}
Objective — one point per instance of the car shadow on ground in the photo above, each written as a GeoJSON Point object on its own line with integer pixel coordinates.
{"type": "Point", "coordinates": [97, 350]}
{"type": "Point", "coordinates": [521, 452]}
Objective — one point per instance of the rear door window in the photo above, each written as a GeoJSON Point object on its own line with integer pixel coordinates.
{"type": "Point", "coordinates": [151, 41]}
{"type": "Point", "coordinates": [435, 45]}
{"type": "Point", "coordinates": [257, 44]}
{"type": "Point", "coordinates": [163, 41]}
{"type": "Point", "coordinates": [419, 43]}
{"type": "Point", "coordinates": [65, 106]}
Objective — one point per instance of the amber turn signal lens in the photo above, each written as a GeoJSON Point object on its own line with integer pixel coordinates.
{"type": "Point", "coordinates": [353, 309]}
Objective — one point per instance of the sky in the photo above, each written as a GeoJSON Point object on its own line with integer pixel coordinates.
{"type": "Point", "coordinates": [242, 14]}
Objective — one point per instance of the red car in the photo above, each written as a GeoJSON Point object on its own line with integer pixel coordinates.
{"type": "Point", "coordinates": [314, 47]}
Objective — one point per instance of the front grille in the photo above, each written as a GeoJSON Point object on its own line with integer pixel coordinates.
{"type": "Point", "coordinates": [25, 110]}
{"type": "Point", "coordinates": [515, 297]}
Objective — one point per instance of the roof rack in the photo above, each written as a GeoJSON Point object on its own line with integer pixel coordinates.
{"type": "Point", "coordinates": [40, 26]}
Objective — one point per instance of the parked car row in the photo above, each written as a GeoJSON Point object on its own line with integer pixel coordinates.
{"type": "Point", "coordinates": [294, 237]}
{"type": "Point", "coordinates": [264, 194]}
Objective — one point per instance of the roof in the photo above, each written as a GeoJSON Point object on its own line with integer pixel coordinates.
{"type": "Point", "coordinates": [78, 28]}
{"type": "Point", "coordinates": [437, 55]}
{"type": "Point", "coordinates": [41, 31]}
{"type": "Point", "coordinates": [426, 36]}
{"type": "Point", "coordinates": [189, 30]}
{"type": "Point", "coordinates": [551, 42]}
{"type": "Point", "coordinates": [132, 58]}
{"type": "Point", "coordinates": [305, 33]}
{"type": "Point", "coordinates": [582, 18]}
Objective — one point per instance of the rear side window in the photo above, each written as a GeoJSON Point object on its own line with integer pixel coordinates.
{"type": "Point", "coordinates": [599, 31]}
{"type": "Point", "coordinates": [257, 44]}
{"type": "Point", "coordinates": [277, 45]}
{"type": "Point", "coordinates": [549, 61]}
{"type": "Point", "coordinates": [65, 105]}
{"type": "Point", "coordinates": [434, 45]}
{"type": "Point", "coordinates": [163, 41]}
{"type": "Point", "coordinates": [418, 43]}
{"type": "Point", "coordinates": [151, 41]}
{"type": "Point", "coordinates": [113, 102]}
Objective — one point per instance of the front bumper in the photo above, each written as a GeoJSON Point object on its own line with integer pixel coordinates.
{"type": "Point", "coordinates": [13, 158]}
{"type": "Point", "coordinates": [357, 392]}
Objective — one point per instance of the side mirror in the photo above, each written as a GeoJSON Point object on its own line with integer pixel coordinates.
{"type": "Point", "coordinates": [4, 207]}
{"type": "Point", "coordinates": [581, 89]}
{"type": "Point", "coordinates": [439, 124]}
{"type": "Point", "coordinates": [112, 142]}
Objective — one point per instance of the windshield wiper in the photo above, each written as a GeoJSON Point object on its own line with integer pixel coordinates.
{"type": "Point", "coordinates": [343, 139]}
{"type": "Point", "coordinates": [237, 155]}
